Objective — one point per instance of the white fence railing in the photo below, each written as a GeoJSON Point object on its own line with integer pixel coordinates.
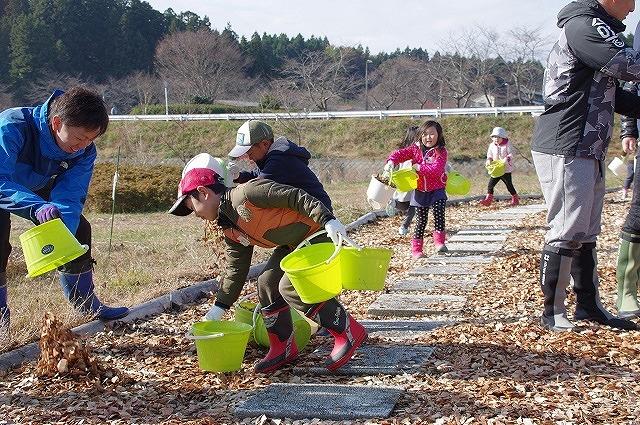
{"type": "Point", "coordinates": [495, 111]}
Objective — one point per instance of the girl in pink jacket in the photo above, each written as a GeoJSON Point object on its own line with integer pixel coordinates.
{"type": "Point", "coordinates": [429, 158]}
{"type": "Point", "coordinates": [500, 148]}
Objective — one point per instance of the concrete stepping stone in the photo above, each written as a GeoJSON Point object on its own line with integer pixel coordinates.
{"type": "Point", "coordinates": [322, 401]}
{"type": "Point", "coordinates": [471, 260]}
{"type": "Point", "coordinates": [494, 223]}
{"type": "Point", "coordinates": [371, 360]}
{"type": "Point", "coordinates": [473, 247]}
{"type": "Point", "coordinates": [428, 285]}
{"type": "Point", "coordinates": [403, 305]}
{"type": "Point", "coordinates": [444, 270]}
{"type": "Point", "coordinates": [401, 330]}
{"type": "Point", "coordinates": [487, 231]}
{"type": "Point", "coordinates": [477, 238]}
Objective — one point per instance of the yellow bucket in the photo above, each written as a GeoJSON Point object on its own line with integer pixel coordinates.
{"type": "Point", "coordinates": [220, 344]}
{"type": "Point", "coordinates": [457, 184]}
{"type": "Point", "coordinates": [405, 180]}
{"type": "Point", "coordinates": [364, 269]}
{"type": "Point", "coordinates": [49, 246]}
{"type": "Point", "coordinates": [497, 168]}
{"type": "Point", "coordinates": [314, 272]}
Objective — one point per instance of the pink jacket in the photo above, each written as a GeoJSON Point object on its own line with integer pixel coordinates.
{"type": "Point", "coordinates": [431, 174]}
{"type": "Point", "coordinates": [502, 151]}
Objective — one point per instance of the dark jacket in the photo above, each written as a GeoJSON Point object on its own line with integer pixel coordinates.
{"type": "Point", "coordinates": [288, 163]}
{"type": "Point", "coordinates": [263, 213]}
{"type": "Point", "coordinates": [629, 125]}
{"type": "Point", "coordinates": [30, 160]}
{"type": "Point", "coordinates": [580, 88]}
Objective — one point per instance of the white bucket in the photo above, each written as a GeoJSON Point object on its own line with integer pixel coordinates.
{"type": "Point", "coordinates": [379, 194]}
{"type": "Point", "coordinates": [618, 167]}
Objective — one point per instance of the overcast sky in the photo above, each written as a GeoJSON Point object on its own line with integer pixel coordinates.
{"type": "Point", "coordinates": [380, 25]}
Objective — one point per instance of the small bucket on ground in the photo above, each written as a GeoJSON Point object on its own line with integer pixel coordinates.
{"type": "Point", "coordinates": [497, 168]}
{"type": "Point", "coordinates": [364, 269]}
{"type": "Point", "coordinates": [405, 180]}
{"type": "Point", "coordinates": [457, 184]}
{"type": "Point", "coordinates": [220, 344]}
{"type": "Point", "coordinates": [244, 313]}
{"type": "Point", "coordinates": [301, 329]}
{"type": "Point", "coordinates": [49, 246]}
{"type": "Point", "coordinates": [314, 271]}
{"type": "Point", "coordinates": [618, 166]}
{"type": "Point", "coordinates": [379, 194]}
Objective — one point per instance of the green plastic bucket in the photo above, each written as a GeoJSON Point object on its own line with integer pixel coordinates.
{"type": "Point", "coordinates": [244, 313]}
{"type": "Point", "coordinates": [220, 344]}
{"type": "Point", "coordinates": [364, 269]}
{"type": "Point", "coordinates": [49, 246]}
{"type": "Point", "coordinates": [457, 184]}
{"type": "Point", "coordinates": [313, 278]}
{"type": "Point", "coordinates": [497, 168]}
{"type": "Point", "coordinates": [405, 180]}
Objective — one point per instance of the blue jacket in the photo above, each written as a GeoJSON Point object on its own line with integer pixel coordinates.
{"type": "Point", "coordinates": [30, 158]}
{"type": "Point", "coordinates": [288, 163]}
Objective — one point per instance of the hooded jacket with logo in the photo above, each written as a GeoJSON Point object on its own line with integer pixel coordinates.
{"type": "Point", "coordinates": [267, 214]}
{"type": "Point", "coordinates": [30, 159]}
{"type": "Point", "coordinates": [580, 88]}
{"type": "Point", "coordinates": [432, 174]}
{"type": "Point", "coordinates": [288, 163]}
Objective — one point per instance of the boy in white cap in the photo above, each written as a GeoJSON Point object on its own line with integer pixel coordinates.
{"type": "Point", "coordinates": [271, 215]}
{"type": "Point", "coordinates": [500, 149]}
{"type": "Point", "coordinates": [277, 159]}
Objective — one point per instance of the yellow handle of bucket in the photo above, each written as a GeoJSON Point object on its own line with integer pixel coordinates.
{"type": "Point", "coordinates": [191, 336]}
{"type": "Point", "coordinates": [341, 240]}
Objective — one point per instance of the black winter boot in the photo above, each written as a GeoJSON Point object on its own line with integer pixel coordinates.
{"type": "Point", "coordinates": [585, 285]}
{"type": "Point", "coordinates": [555, 271]}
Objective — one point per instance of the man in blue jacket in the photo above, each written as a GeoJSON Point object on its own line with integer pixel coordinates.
{"type": "Point", "coordinates": [281, 161]}
{"type": "Point", "coordinates": [47, 156]}
{"type": "Point", "coordinates": [570, 142]}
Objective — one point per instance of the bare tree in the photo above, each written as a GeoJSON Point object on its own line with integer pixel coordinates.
{"type": "Point", "coordinates": [6, 99]}
{"type": "Point", "coordinates": [202, 64]}
{"type": "Point", "coordinates": [43, 87]}
{"type": "Point", "coordinates": [322, 76]}
{"type": "Point", "coordinates": [144, 87]}
{"type": "Point", "coordinates": [521, 54]}
{"type": "Point", "coordinates": [392, 80]}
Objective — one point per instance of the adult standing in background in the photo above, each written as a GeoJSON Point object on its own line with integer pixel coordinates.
{"type": "Point", "coordinates": [569, 146]}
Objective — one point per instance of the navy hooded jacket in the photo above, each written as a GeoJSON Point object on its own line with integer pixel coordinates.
{"type": "Point", "coordinates": [288, 163]}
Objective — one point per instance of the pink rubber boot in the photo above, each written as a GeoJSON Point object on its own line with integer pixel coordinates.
{"type": "Point", "coordinates": [416, 248]}
{"type": "Point", "coordinates": [439, 237]}
{"type": "Point", "coordinates": [487, 200]}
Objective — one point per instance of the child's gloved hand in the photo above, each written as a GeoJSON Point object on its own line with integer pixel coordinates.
{"type": "Point", "coordinates": [416, 167]}
{"type": "Point", "coordinates": [47, 212]}
{"type": "Point", "coordinates": [335, 229]}
{"type": "Point", "coordinates": [214, 313]}
{"type": "Point", "coordinates": [388, 167]}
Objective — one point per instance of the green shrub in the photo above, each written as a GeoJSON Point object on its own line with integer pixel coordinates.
{"type": "Point", "coordinates": [140, 188]}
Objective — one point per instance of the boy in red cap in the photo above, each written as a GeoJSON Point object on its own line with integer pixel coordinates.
{"type": "Point", "coordinates": [271, 215]}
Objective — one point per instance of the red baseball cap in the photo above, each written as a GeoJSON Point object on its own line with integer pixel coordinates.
{"type": "Point", "coordinates": [201, 170]}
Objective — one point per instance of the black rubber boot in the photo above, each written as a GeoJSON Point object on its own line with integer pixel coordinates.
{"type": "Point", "coordinates": [585, 285]}
{"type": "Point", "coordinates": [555, 273]}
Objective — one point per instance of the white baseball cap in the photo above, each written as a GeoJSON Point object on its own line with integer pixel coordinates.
{"type": "Point", "coordinates": [250, 133]}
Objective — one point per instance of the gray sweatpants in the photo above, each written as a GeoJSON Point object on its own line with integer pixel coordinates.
{"type": "Point", "coordinates": [573, 188]}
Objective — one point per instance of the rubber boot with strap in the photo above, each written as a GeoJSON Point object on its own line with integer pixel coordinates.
{"type": "Point", "coordinates": [78, 288]}
{"type": "Point", "coordinates": [5, 314]}
{"type": "Point", "coordinates": [628, 275]}
{"type": "Point", "coordinates": [585, 285]}
{"type": "Point", "coordinates": [282, 343]}
{"type": "Point", "coordinates": [555, 276]}
{"type": "Point", "coordinates": [348, 334]}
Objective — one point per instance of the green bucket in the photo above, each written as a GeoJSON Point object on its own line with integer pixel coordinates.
{"type": "Point", "coordinates": [49, 246]}
{"type": "Point", "coordinates": [364, 269]}
{"type": "Point", "coordinates": [220, 344]}
{"type": "Point", "coordinates": [497, 168]}
{"type": "Point", "coordinates": [457, 184]}
{"type": "Point", "coordinates": [405, 180]}
{"type": "Point", "coordinates": [313, 272]}
{"type": "Point", "coordinates": [244, 313]}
